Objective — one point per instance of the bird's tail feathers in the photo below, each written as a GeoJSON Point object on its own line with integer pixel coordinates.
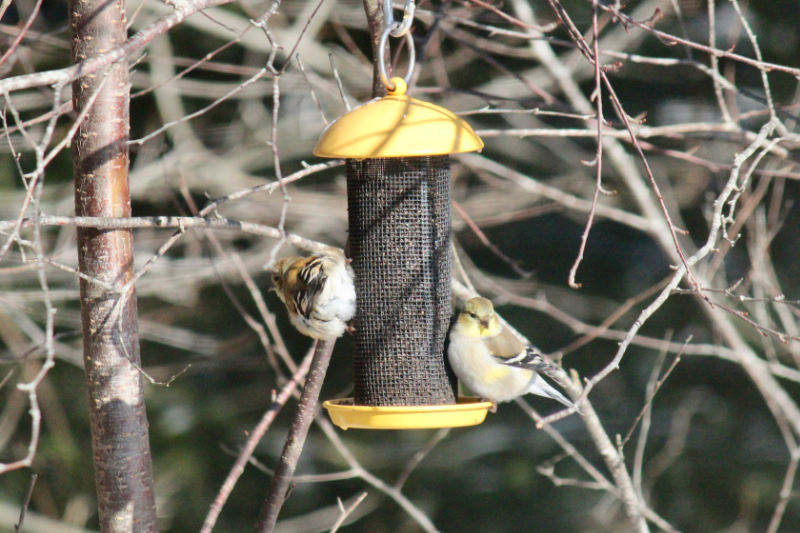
{"type": "Point", "coordinates": [542, 388]}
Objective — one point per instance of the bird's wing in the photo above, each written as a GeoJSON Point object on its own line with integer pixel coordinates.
{"type": "Point", "coordinates": [312, 279]}
{"type": "Point", "coordinates": [505, 346]}
{"type": "Point", "coordinates": [512, 352]}
{"type": "Point", "coordinates": [304, 283]}
{"type": "Point", "coordinates": [313, 273]}
{"type": "Point", "coordinates": [529, 358]}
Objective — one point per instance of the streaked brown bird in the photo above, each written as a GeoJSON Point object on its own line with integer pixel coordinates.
{"type": "Point", "coordinates": [318, 291]}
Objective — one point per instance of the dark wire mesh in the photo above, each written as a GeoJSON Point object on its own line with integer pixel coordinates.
{"type": "Point", "coordinates": [400, 245]}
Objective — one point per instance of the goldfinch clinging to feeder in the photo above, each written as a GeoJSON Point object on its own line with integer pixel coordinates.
{"type": "Point", "coordinates": [492, 361]}
{"type": "Point", "coordinates": [318, 292]}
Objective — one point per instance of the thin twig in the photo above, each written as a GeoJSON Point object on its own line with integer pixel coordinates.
{"type": "Point", "coordinates": [339, 83]}
{"type": "Point", "coordinates": [170, 222]}
{"type": "Point", "coordinates": [413, 511]}
{"type": "Point", "coordinates": [671, 39]}
{"type": "Point", "coordinates": [514, 264]}
{"type": "Point", "coordinates": [91, 66]}
{"type": "Point", "coordinates": [25, 503]}
{"type": "Point", "coordinates": [652, 393]}
{"type": "Point", "coordinates": [598, 158]}
{"type": "Point", "coordinates": [719, 204]}
{"type": "Point", "coordinates": [419, 456]}
{"type": "Point", "coordinates": [297, 436]}
{"type": "Point", "coordinates": [347, 512]}
{"type": "Point", "coordinates": [252, 441]}
{"type": "Point", "coordinates": [311, 89]}
{"type": "Point", "coordinates": [18, 39]}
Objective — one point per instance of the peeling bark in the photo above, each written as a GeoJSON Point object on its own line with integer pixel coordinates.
{"type": "Point", "coordinates": [120, 439]}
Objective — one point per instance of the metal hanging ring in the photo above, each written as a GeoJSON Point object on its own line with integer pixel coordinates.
{"type": "Point", "coordinates": [408, 18]}
{"type": "Point", "coordinates": [382, 52]}
{"type": "Point", "coordinates": [388, 15]}
{"type": "Point", "coordinates": [399, 29]}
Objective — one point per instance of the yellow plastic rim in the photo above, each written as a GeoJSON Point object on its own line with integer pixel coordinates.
{"type": "Point", "coordinates": [397, 126]}
{"type": "Point", "coordinates": [468, 412]}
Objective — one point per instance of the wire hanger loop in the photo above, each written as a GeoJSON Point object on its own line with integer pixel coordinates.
{"type": "Point", "coordinates": [397, 29]}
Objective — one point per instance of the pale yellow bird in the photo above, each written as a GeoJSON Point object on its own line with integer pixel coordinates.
{"type": "Point", "coordinates": [318, 291]}
{"type": "Point", "coordinates": [491, 361]}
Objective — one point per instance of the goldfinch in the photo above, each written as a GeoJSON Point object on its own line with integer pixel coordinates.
{"type": "Point", "coordinates": [318, 292]}
{"type": "Point", "coordinates": [491, 361]}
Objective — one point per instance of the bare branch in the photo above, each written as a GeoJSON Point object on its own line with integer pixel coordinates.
{"type": "Point", "coordinates": [297, 437]}
{"type": "Point", "coordinates": [252, 441]}
{"type": "Point", "coordinates": [91, 66]}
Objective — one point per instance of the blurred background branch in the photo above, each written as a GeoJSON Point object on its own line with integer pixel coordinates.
{"type": "Point", "coordinates": [699, 241]}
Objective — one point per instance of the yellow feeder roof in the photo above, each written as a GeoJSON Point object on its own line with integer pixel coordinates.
{"type": "Point", "coordinates": [397, 126]}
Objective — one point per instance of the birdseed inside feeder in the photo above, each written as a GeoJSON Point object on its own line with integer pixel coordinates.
{"type": "Point", "coordinates": [399, 200]}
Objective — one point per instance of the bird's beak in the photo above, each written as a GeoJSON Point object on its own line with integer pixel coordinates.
{"type": "Point", "coordinates": [485, 322]}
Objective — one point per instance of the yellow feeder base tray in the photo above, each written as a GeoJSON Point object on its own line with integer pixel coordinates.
{"type": "Point", "coordinates": [467, 412]}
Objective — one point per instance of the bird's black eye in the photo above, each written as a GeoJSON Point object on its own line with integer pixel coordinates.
{"type": "Point", "coordinates": [473, 315]}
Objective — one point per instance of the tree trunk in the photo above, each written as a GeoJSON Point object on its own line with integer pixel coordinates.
{"type": "Point", "coordinates": [120, 440]}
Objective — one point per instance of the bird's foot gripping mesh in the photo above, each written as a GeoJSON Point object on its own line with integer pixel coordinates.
{"type": "Point", "coordinates": [401, 250]}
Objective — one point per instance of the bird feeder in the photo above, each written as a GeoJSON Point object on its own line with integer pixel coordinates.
{"type": "Point", "coordinates": [399, 200]}
{"type": "Point", "coordinates": [398, 187]}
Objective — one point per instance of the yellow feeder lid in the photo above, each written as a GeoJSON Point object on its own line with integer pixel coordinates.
{"type": "Point", "coordinates": [397, 126]}
{"type": "Point", "coordinates": [467, 412]}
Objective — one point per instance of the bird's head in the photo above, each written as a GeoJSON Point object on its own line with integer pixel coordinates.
{"type": "Point", "coordinates": [478, 318]}
{"type": "Point", "coordinates": [280, 273]}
